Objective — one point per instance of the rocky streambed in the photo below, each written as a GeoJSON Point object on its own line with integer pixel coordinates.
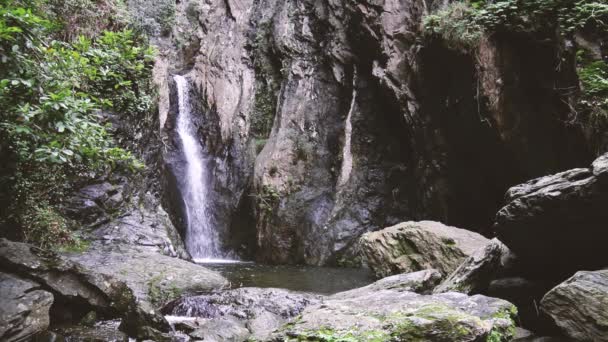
{"type": "Point", "coordinates": [435, 282]}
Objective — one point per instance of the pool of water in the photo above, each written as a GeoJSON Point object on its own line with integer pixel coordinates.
{"type": "Point", "coordinates": [323, 280]}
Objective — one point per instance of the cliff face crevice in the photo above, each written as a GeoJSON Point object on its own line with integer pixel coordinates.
{"type": "Point", "coordinates": [335, 118]}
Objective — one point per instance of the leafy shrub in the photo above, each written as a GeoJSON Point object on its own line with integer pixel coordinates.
{"type": "Point", "coordinates": [45, 227]}
{"type": "Point", "coordinates": [87, 18]}
{"type": "Point", "coordinates": [52, 97]}
{"type": "Point", "coordinates": [456, 25]}
{"type": "Point", "coordinates": [154, 17]}
{"type": "Point", "coordinates": [462, 23]}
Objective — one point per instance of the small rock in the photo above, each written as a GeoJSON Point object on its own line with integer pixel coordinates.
{"type": "Point", "coordinates": [476, 272]}
{"type": "Point", "coordinates": [259, 310]}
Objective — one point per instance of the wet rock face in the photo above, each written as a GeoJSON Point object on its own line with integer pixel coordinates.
{"type": "Point", "coordinates": [556, 224]}
{"type": "Point", "coordinates": [24, 308]}
{"type": "Point", "coordinates": [371, 125]}
{"type": "Point", "coordinates": [578, 306]}
{"type": "Point", "coordinates": [239, 314]}
{"type": "Point", "coordinates": [413, 246]}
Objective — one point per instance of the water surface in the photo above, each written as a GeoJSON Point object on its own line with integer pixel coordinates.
{"type": "Point", "coordinates": [322, 280]}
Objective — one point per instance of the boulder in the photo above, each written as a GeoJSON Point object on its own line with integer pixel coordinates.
{"type": "Point", "coordinates": [24, 308]}
{"type": "Point", "coordinates": [383, 315]}
{"type": "Point", "coordinates": [238, 314]}
{"type": "Point", "coordinates": [578, 306]}
{"type": "Point", "coordinates": [80, 289]}
{"type": "Point", "coordinates": [557, 224]}
{"type": "Point", "coordinates": [477, 271]}
{"type": "Point", "coordinates": [420, 282]}
{"type": "Point", "coordinates": [155, 279]}
{"type": "Point", "coordinates": [414, 246]}
{"type": "Point", "coordinates": [94, 203]}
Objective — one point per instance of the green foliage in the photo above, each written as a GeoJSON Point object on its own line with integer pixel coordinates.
{"type": "Point", "coordinates": [267, 199]}
{"type": "Point", "coordinates": [455, 24]}
{"type": "Point", "coordinates": [52, 97]}
{"type": "Point", "coordinates": [462, 23]}
{"type": "Point", "coordinates": [593, 76]}
{"type": "Point", "coordinates": [594, 80]}
{"type": "Point", "coordinates": [87, 18]}
{"type": "Point", "coordinates": [47, 228]}
{"type": "Point", "coordinates": [153, 17]}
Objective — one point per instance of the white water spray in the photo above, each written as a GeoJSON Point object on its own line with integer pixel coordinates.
{"type": "Point", "coordinates": [202, 239]}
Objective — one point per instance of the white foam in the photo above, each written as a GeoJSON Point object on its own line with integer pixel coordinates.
{"type": "Point", "coordinates": [219, 261]}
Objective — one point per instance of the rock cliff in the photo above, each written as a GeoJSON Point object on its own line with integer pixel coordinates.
{"type": "Point", "coordinates": [329, 119]}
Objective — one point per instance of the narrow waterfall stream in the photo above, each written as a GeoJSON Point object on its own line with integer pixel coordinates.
{"type": "Point", "coordinates": [202, 240]}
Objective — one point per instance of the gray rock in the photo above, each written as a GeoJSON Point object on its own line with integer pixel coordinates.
{"type": "Point", "coordinates": [81, 288]}
{"type": "Point", "coordinates": [557, 223]}
{"type": "Point", "coordinates": [578, 306]}
{"type": "Point", "coordinates": [221, 330]}
{"type": "Point", "coordinates": [477, 271]}
{"type": "Point", "coordinates": [414, 246]}
{"type": "Point", "coordinates": [94, 203]}
{"type": "Point", "coordinates": [422, 282]}
{"type": "Point", "coordinates": [155, 279]}
{"type": "Point", "coordinates": [24, 308]}
{"type": "Point", "coordinates": [366, 132]}
{"type": "Point", "coordinates": [385, 315]}
{"type": "Point", "coordinates": [227, 315]}
{"type": "Point", "coordinates": [103, 331]}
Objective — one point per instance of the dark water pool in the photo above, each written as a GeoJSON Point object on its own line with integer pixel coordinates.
{"type": "Point", "coordinates": [323, 280]}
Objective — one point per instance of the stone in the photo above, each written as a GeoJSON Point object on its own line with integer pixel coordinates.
{"type": "Point", "coordinates": [477, 271]}
{"type": "Point", "coordinates": [414, 246]}
{"type": "Point", "coordinates": [578, 306]}
{"type": "Point", "coordinates": [24, 308]}
{"type": "Point", "coordinates": [251, 312]}
{"type": "Point", "coordinates": [556, 224]}
{"type": "Point", "coordinates": [422, 282]}
{"type": "Point", "coordinates": [154, 278]}
{"type": "Point", "coordinates": [80, 288]}
{"type": "Point", "coordinates": [94, 203]}
{"type": "Point", "coordinates": [102, 331]}
{"type": "Point", "coordinates": [383, 315]}
{"type": "Point", "coordinates": [222, 329]}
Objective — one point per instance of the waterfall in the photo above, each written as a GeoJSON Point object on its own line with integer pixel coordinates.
{"type": "Point", "coordinates": [202, 239]}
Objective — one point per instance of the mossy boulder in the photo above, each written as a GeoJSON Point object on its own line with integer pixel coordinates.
{"type": "Point", "coordinates": [415, 246]}
{"type": "Point", "coordinates": [397, 315]}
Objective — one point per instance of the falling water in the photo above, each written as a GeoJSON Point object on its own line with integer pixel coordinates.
{"type": "Point", "coordinates": [202, 240]}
